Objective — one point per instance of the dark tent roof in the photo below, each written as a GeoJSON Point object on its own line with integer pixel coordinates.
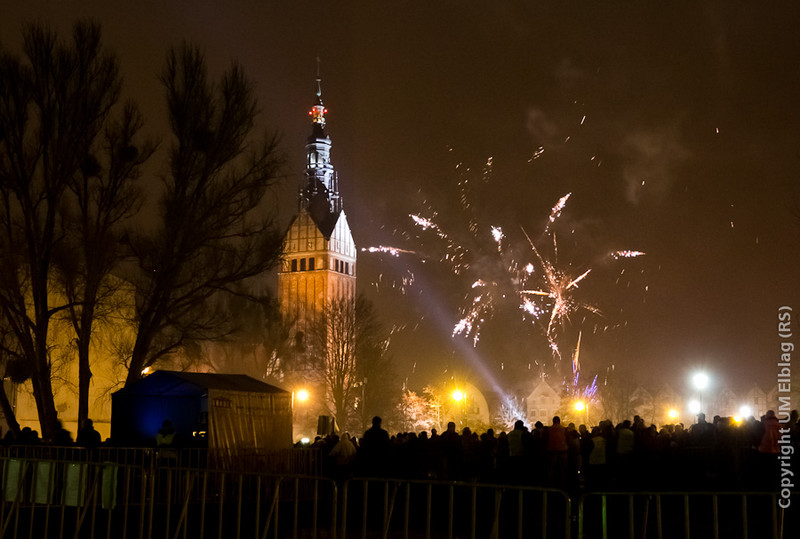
{"type": "Point", "coordinates": [196, 383]}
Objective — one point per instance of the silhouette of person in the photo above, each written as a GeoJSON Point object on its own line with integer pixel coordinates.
{"type": "Point", "coordinates": [62, 436]}
{"type": "Point", "coordinates": [166, 435]}
{"type": "Point", "coordinates": [557, 454]}
{"type": "Point", "coordinates": [375, 448]}
{"type": "Point", "coordinates": [87, 436]}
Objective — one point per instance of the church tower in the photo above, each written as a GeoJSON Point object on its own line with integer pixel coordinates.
{"type": "Point", "coordinates": [319, 252]}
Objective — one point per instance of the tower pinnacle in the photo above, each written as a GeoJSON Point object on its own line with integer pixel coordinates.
{"type": "Point", "coordinates": [321, 192]}
{"type": "Point", "coordinates": [318, 111]}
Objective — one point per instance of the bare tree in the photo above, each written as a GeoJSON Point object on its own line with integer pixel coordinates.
{"type": "Point", "coordinates": [103, 197]}
{"type": "Point", "coordinates": [212, 233]}
{"type": "Point", "coordinates": [348, 353]}
{"type": "Point", "coordinates": [54, 101]}
{"type": "Point", "coordinates": [333, 344]}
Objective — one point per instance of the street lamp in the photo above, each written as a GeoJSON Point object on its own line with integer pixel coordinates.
{"type": "Point", "coordinates": [694, 407]}
{"type": "Point", "coordinates": [745, 411]}
{"type": "Point", "coordinates": [673, 414]}
{"type": "Point", "coordinates": [461, 397]}
{"type": "Point", "coordinates": [700, 381]}
{"type": "Point", "coordinates": [300, 419]}
{"type": "Point", "coordinates": [580, 406]}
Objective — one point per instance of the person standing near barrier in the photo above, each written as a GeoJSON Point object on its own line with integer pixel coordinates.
{"type": "Point", "coordinates": [557, 455]}
{"type": "Point", "coordinates": [375, 449]}
{"type": "Point", "coordinates": [453, 453]}
{"type": "Point", "coordinates": [768, 450]}
{"type": "Point", "coordinates": [343, 455]}
{"type": "Point", "coordinates": [166, 435]}
{"type": "Point", "coordinates": [62, 436]}
{"type": "Point", "coordinates": [623, 463]}
{"type": "Point", "coordinates": [597, 476]}
{"type": "Point", "coordinates": [516, 453]}
{"type": "Point", "coordinates": [88, 437]}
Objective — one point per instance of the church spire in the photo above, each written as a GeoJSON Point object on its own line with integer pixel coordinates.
{"type": "Point", "coordinates": [321, 192]}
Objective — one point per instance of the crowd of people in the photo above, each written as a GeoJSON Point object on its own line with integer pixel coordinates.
{"type": "Point", "coordinates": [87, 436]}
{"type": "Point", "coordinates": [721, 454]}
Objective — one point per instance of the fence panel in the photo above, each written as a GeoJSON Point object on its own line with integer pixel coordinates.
{"type": "Point", "coordinates": [43, 498]}
{"type": "Point", "coordinates": [722, 514]}
{"type": "Point", "coordinates": [419, 508]}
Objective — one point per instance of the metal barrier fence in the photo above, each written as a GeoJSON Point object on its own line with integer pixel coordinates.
{"type": "Point", "coordinates": [47, 498]}
{"type": "Point", "coordinates": [715, 515]}
{"type": "Point", "coordinates": [406, 508]}
{"type": "Point", "coordinates": [63, 498]}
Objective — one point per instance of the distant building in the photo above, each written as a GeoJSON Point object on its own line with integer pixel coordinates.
{"type": "Point", "coordinates": [543, 403]}
{"type": "Point", "coordinates": [756, 399]}
{"type": "Point", "coordinates": [726, 404]}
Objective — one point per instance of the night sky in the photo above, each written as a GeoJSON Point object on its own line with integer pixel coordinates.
{"type": "Point", "coordinates": [673, 124]}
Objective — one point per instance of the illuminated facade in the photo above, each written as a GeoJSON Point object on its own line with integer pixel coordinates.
{"type": "Point", "coordinates": [319, 252]}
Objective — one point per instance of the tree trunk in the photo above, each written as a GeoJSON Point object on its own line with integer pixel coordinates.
{"type": "Point", "coordinates": [84, 380]}
{"type": "Point", "coordinates": [45, 404]}
{"type": "Point", "coordinates": [84, 342]}
{"type": "Point", "coordinates": [138, 357]}
{"type": "Point", "coordinates": [8, 411]}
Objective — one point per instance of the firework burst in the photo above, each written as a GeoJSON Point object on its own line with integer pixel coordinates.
{"type": "Point", "coordinates": [505, 273]}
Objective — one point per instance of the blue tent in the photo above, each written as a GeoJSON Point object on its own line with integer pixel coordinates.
{"type": "Point", "coordinates": [235, 410]}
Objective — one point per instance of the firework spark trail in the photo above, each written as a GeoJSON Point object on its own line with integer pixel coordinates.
{"type": "Point", "coordinates": [394, 251]}
{"type": "Point", "coordinates": [626, 254]}
{"type": "Point", "coordinates": [555, 213]}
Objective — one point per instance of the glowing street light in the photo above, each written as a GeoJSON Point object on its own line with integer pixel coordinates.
{"type": "Point", "coordinates": [673, 414]}
{"type": "Point", "coordinates": [700, 380]}
{"type": "Point", "coordinates": [694, 406]}
{"type": "Point", "coordinates": [580, 406]}
{"type": "Point", "coordinates": [745, 411]}
{"type": "Point", "coordinates": [302, 395]}
{"type": "Point", "coordinates": [459, 395]}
